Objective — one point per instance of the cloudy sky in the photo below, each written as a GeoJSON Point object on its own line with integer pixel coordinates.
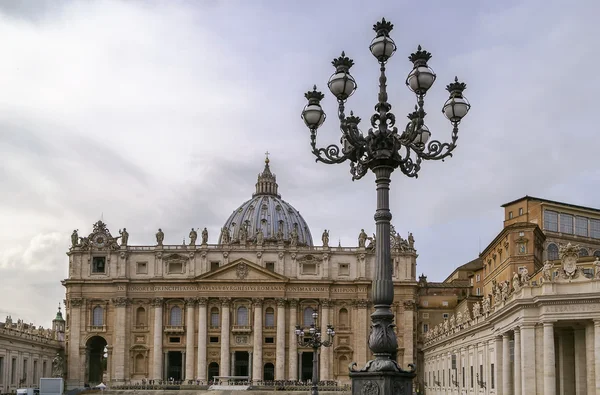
{"type": "Point", "coordinates": [158, 113]}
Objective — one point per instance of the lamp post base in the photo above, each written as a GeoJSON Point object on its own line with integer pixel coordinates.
{"type": "Point", "coordinates": [382, 383]}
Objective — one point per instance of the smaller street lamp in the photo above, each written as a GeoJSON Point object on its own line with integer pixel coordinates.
{"type": "Point", "coordinates": [314, 339]}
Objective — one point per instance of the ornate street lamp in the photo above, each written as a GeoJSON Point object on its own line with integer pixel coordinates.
{"type": "Point", "coordinates": [382, 150]}
{"type": "Point", "coordinates": [315, 341]}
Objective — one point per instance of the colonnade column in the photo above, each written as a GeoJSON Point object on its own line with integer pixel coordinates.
{"type": "Point", "coordinates": [325, 360]}
{"type": "Point", "coordinates": [498, 373]}
{"type": "Point", "coordinates": [202, 336]}
{"type": "Point", "coordinates": [157, 373]}
{"type": "Point", "coordinates": [224, 363]}
{"type": "Point", "coordinates": [506, 387]}
{"type": "Point", "coordinates": [549, 359]}
{"type": "Point", "coordinates": [589, 357]}
{"type": "Point", "coordinates": [517, 365]}
{"type": "Point", "coordinates": [280, 346]}
{"type": "Point", "coordinates": [528, 359]}
{"type": "Point", "coordinates": [190, 305]}
{"type": "Point", "coordinates": [119, 340]}
{"type": "Point", "coordinates": [597, 353]}
{"type": "Point", "coordinates": [257, 346]}
{"type": "Point", "coordinates": [293, 350]}
{"type": "Point", "coordinates": [580, 368]}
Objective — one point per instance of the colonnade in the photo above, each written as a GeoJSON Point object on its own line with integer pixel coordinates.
{"type": "Point", "coordinates": [565, 360]}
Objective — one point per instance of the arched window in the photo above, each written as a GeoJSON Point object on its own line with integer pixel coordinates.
{"type": "Point", "coordinates": [140, 316]}
{"type": "Point", "coordinates": [242, 315]}
{"type": "Point", "coordinates": [269, 317]}
{"type": "Point", "coordinates": [214, 317]}
{"type": "Point", "coordinates": [343, 318]}
{"type": "Point", "coordinates": [140, 365]}
{"type": "Point", "coordinates": [552, 252]}
{"type": "Point", "coordinates": [175, 316]}
{"type": "Point", "coordinates": [269, 372]}
{"type": "Point", "coordinates": [597, 253]}
{"type": "Point", "coordinates": [308, 318]}
{"type": "Point", "coordinates": [98, 316]}
{"type": "Point", "coordinates": [213, 370]}
{"type": "Point", "coordinates": [343, 366]}
{"type": "Point", "coordinates": [584, 252]}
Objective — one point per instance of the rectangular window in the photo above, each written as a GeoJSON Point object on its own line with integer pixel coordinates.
{"type": "Point", "coordinates": [463, 376]}
{"type": "Point", "coordinates": [214, 339]}
{"type": "Point", "coordinates": [309, 268]}
{"type": "Point", "coordinates": [581, 226]}
{"type": "Point", "coordinates": [1, 370]}
{"type": "Point", "coordinates": [595, 228]}
{"type": "Point", "coordinates": [35, 371]}
{"type": "Point", "coordinates": [13, 371]}
{"type": "Point", "coordinates": [510, 215]}
{"type": "Point", "coordinates": [175, 267]}
{"type": "Point", "coordinates": [142, 268]}
{"type": "Point", "coordinates": [214, 318]}
{"type": "Point", "coordinates": [344, 269]}
{"type": "Point", "coordinates": [269, 340]}
{"type": "Point", "coordinates": [425, 303]}
{"type": "Point", "coordinates": [270, 266]}
{"type": "Point", "coordinates": [214, 265]}
{"type": "Point", "coordinates": [425, 328]}
{"type": "Point", "coordinates": [480, 372]}
{"type": "Point", "coordinates": [426, 316]}
{"type": "Point", "coordinates": [471, 376]}
{"type": "Point", "coordinates": [445, 315]}
{"type": "Point", "coordinates": [24, 375]}
{"type": "Point", "coordinates": [478, 279]}
{"type": "Point", "coordinates": [443, 378]}
{"type": "Point", "coordinates": [551, 221]}
{"type": "Point", "coordinates": [454, 361]}
{"type": "Point", "coordinates": [175, 340]}
{"type": "Point", "coordinates": [521, 211]}
{"type": "Point", "coordinates": [566, 223]}
{"type": "Point", "coordinates": [445, 303]}
{"type": "Point", "coordinates": [492, 376]}
{"type": "Point", "coordinates": [98, 264]}
{"type": "Point", "coordinates": [44, 373]}
{"type": "Point", "coordinates": [478, 291]}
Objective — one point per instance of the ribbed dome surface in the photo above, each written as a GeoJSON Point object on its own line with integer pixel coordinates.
{"type": "Point", "coordinates": [266, 211]}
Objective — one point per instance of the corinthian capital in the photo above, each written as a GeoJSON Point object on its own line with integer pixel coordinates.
{"type": "Point", "coordinates": [157, 302]}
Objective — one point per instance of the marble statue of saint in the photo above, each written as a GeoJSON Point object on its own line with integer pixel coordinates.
{"type": "Point", "coordinates": [486, 304]}
{"type": "Point", "coordinates": [452, 321]}
{"type": "Point", "coordinates": [204, 236]}
{"type": "Point", "coordinates": [124, 236]}
{"type": "Point", "coordinates": [260, 237]}
{"type": "Point", "coordinates": [325, 238]}
{"type": "Point", "coordinates": [362, 238]}
{"type": "Point", "coordinates": [160, 237]}
{"type": "Point", "coordinates": [57, 366]}
{"type": "Point", "coordinates": [294, 236]}
{"type": "Point", "coordinates": [516, 282]}
{"type": "Point", "coordinates": [243, 234]}
{"type": "Point", "coordinates": [225, 236]}
{"type": "Point", "coordinates": [597, 266]}
{"type": "Point", "coordinates": [476, 310]}
{"type": "Point", "coordinates": [411, 241]}
{"type": "Point", "coordinates": [524, 276]}
{"type": "Point", "coordinates": [280, 233]}
{"type": "Point", "coordinates": [547, 271]}
{"type": "Point", "coordinates": [193, 237]}
{"type": "Point", "coordinates": [74, 238]}
{"type": "Point", "coordinates": [371, 242]}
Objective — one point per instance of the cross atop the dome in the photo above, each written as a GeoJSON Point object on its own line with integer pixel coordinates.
{"type": "Point", "coordinates": [267, 157]}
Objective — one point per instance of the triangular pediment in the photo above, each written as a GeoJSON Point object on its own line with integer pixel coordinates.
{"type": "Point", "coordinates": [242, 270]}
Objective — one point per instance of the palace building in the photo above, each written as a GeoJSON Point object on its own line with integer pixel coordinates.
{"type": "Point", "coordinates": [227, 308]}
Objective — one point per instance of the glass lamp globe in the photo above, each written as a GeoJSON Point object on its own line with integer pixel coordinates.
{"type": "Point", "coordinates": [420, 79]}
{"type": "Point", "coordinates": [456, 108]}
{"type": "Point", "coordinates": [382, 47]}
{"type": "Point", "coordinates": [423, 136]}
{"type": "Point", "coordinates": [342, 85]}
{"type": "Point", "coordinates": [313, 115]}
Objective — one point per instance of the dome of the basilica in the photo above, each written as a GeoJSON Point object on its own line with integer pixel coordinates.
{"type": "Point", "coordinates": [278, 220]}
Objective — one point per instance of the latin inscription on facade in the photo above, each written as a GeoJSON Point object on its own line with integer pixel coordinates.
{"type": "Point", "coordinates": [234, 287]}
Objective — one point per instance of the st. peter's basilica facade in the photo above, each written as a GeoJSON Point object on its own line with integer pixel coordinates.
{"type": "Point", "coordinates": [199, 310]}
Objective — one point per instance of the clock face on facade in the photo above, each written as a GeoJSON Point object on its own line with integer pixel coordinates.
{"type": "Point", "coordinates": [99, 240]}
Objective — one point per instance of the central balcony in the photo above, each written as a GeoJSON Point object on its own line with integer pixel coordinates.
{"type": "Point", "coordinates": [241, 329]}
{"type": "Point", "coordinates": [174, 329]}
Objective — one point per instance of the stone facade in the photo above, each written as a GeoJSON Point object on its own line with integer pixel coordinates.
{"type": "Point", "coordinates": [28, 353]}
{"type": "Point", "coordinates": [191, 312]}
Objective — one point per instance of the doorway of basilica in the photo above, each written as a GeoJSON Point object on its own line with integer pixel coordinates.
{"type": "Point", "coordinates": [174, 365]}
{"type": "Point", "coordinates": [96, 360]}
{"type": "Point", "coordinates": [241, 367]}
{"type": "Point", "coordinates": [307, 366]}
